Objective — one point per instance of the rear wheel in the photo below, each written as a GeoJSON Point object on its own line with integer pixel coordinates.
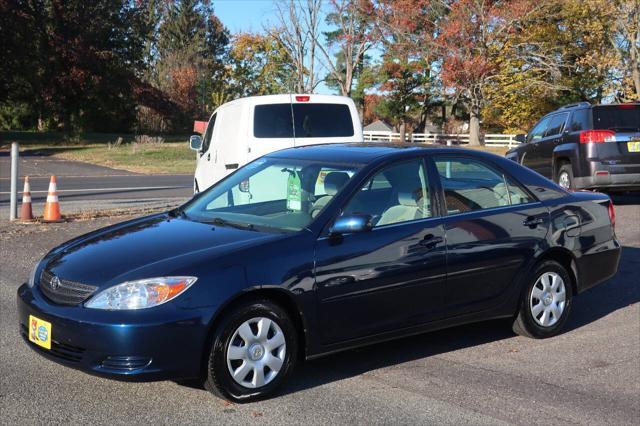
{"type": "Point", "coordinates": [565, 177]}
{"type": "Point", "coordinates": [546, 303]}
{"type": "Point", "coordinates": [254, 350]}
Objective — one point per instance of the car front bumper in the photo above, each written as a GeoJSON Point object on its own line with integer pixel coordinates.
{"type": "Point", "coordinates": [152, 344]}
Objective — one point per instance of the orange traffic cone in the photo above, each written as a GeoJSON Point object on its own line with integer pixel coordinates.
{"type": "Point", "coordinates": [52, 206]}
{"type": "Point", "coordinates": [26, 214]}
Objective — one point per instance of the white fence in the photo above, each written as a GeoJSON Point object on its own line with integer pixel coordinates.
{"type": "Point", "coordinates": [440, 138]}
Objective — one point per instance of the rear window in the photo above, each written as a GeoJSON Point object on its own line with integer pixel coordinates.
{"type": "Point", "coordinates": [322, 120]}
{"type": "Point", "coordinates": [273, 121]}
{"type": "Point", "coordinates": [619, 118]}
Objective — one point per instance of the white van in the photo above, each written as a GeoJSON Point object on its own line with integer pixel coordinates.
{"type": "Point", "coordinates": [245, 129]}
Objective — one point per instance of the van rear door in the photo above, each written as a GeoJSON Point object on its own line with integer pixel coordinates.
{"type": "Point", "coordinates": [272, 125]}
{"type": "Point", "coordinates": [325, 119]}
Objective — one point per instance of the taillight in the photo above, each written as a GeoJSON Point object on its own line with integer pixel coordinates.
{"type": "Point", "coordinates": [612, 213]}
{"type": "Point", "coordinates": [303, 98]}
{"type": "Point", "coordinates": [597, 136]}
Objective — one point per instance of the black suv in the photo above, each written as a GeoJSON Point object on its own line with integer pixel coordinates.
{"type": "Point", "coordinates": [584, 146]}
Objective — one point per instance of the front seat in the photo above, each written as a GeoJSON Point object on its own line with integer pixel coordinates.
{"type": "Point", "coordinates": [333, 182]}
{"type": "Point", "coordinates": [409, 207]}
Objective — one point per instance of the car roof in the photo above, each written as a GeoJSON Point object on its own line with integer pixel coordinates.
{"type": "Point", "coordinates": [365, 152]}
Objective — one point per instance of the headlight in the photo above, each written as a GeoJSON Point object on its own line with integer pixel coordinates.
{"type": "Point", "coordinates": [32, 277]}
{"type": "Point", "coordinates": [140, 294]}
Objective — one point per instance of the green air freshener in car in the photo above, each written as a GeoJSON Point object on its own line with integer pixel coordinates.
{"type": "Point", "coordinates": [294, 192]}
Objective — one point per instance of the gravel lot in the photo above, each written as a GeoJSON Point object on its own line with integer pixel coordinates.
{"type": "Point", "coordinates": [476, 374]}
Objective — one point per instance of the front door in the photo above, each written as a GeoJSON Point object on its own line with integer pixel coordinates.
{"type": "Point", "coordinates": [389, 277]}
{"type": "Point", "coordinates": [552, 137]}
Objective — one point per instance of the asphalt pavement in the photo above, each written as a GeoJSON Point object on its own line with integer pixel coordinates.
{"type": "Point", "coordinates": [475, 374]}
{"type": "Point", "coordinates": [83, 187]}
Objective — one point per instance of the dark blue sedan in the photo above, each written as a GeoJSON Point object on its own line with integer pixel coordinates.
{"type": "Point", "coordinates": [314, 250]}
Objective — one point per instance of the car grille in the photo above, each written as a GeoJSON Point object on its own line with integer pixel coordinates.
{"type": "Point", "coordinates": [66, 292]}
{"type": "Point", "coordinates": [63, 351]}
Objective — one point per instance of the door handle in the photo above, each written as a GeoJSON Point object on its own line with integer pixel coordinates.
{"type": "Point", "coordinates": [532, 222]}
{"type": "Point", "coordinates": [430, 241]}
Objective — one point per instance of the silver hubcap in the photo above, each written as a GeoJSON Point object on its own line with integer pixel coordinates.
{"type": "Point", "coordinates": [548, 299]}
{"type": "Point", "coordinates": [563, 180]}
{"type": "Point", "coordinates": [256, 352]}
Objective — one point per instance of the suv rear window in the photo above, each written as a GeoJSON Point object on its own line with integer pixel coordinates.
{"type": "Point", "coordinates": [619, 118]}
{"type": "Point", "coordinates": [322, 120]}
{"type": "Point", "coordinates": [273, 121]}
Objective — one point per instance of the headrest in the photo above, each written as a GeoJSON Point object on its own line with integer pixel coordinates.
{"type": "Point", "coordinates": [408, 199]}
{"type": "Point", "coordinates": [334, 181]}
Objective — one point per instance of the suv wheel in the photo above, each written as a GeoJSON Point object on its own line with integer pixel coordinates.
{"type": "Point", "coordinates": [565, 177]}
{"type": "Point", "coordinates": [253, 351]}
{"type": "Point", "coordinates": [546, 302]}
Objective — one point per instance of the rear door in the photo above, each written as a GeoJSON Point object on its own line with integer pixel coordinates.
{"type": "Point", "coordinates": [272, 125]}
{"type": "Point", "coordinates": [493, 228]}
{"type": "Point", "coordinates": [325, 119]}
{"type": "Point", "coordinates": [622, 152]}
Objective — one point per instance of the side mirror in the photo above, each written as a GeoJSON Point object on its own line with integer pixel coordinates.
{"type": "Point", "coordinates": [521, 138]}
{"type": "Point", "coordinates": [351, 223]}
{"type": "Point", "coordinates": [195, 142]}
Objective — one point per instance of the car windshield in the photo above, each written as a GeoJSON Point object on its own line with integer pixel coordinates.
{"type": "Point", "coordinates": [271, 194]}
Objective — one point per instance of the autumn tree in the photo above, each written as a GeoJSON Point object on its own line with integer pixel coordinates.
{"type": "Point", "coordinates": [259, 66]}
{"type": "Point", "coordinates": [348, 41]}
{"type": "Point", "coordinates": [191, 48]}
{"type": "Point", "coordinates": [626, 41]}
{"type": "Point", "coordinates": [296, 31]}
{"type": "Point", "coordinates": [476, 37]}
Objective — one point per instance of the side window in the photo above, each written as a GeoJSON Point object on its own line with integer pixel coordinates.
{"type": "Point", "coordinates": [556, 125]}
{"type": "Point", "coordinates": [470, 185]}
{"type": "Point", "coordinates": [517, 195]}
{"type": "Point", "coordinates": [404, 199]}
{"type": "Point", "coordinates": [322, 120]}
{"type": "Point", "coordinates": [208, 134]}
{"type": "Point", "coordinates": [538, 131]}
{"type": "Point", "coordinates": [273, 121]}
{"type": "Point", "coordinates": [580, 120]}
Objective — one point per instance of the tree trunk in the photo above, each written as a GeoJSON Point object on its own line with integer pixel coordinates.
{"type": "Point", "coordinates": [403, 131]}
{"type": "Point", "coordinates": [474, 123]}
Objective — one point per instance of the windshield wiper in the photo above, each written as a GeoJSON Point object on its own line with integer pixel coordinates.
{"type": "Point", "coordinates": [624, 128]}
{"type": "Point", "coordinates": [222, 222]}
{"type": "Point", "coordinates": [177, 212]}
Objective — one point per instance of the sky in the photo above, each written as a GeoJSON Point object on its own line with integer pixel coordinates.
{"type": "Point", "coordinates": [252, 16]}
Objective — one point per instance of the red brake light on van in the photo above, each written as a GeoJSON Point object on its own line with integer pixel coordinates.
{"type": "Point", "coordinates": [303, 98]}
{"type": "Point", "coordinates": [597, 136]}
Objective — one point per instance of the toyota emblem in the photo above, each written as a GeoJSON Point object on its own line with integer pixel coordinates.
{"type": "Point", "coordinates": [54, 283]}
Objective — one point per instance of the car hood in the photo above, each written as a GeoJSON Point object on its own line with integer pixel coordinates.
{"type": "Point", "coordinates": [155, 246]}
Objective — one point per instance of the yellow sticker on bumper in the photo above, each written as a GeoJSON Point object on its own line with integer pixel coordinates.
{"type": "Point", "coordinates": [40, 332]}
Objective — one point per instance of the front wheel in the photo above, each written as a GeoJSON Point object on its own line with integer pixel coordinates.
{"type": "Point", "coordinates": [254, 350]}
{"type": "Point", "coordinates": [546, 303]}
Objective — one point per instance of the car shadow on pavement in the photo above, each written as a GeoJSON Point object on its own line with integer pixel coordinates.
{"type": "Point", "coordinates": [625, 199]}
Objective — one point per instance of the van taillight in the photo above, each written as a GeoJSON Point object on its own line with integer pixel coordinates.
{"type": "Point", "coordinates": [612, 213]}
{"type": "Point", "coordinates": [597, 136]}
{"type": "Point", "coordinates": [303, 98]}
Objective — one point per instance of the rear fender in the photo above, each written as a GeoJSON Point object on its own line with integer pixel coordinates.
{"type": "Point", "coordinates": [566, 152]}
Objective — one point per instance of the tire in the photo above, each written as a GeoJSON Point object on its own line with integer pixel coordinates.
{"type": "Point", "coordinates": [530, 320]}
{"type": "Point", "coordinates": [246, 386]}
{"type": "Point", "coordinates": [565, 177]}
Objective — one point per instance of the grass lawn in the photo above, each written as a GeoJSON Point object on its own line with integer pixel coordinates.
{"type": "Point", "coordinates": [172, 156]}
